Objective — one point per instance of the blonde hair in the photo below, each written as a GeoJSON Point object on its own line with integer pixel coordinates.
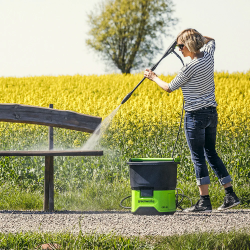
{"type": "Point", "coordinates": [192, 39]}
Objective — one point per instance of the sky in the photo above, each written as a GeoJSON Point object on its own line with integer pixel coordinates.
{"type": "Point", "coordinates": [47, 37]}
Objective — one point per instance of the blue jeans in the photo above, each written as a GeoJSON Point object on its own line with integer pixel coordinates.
{"type": "Point", "coordinates": [200, 129]}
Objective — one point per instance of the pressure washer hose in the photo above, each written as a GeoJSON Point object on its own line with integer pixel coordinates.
{"type": "Point", "coordinates": [123, 201]}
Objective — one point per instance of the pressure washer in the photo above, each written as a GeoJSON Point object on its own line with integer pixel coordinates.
{"type": "Point", "coordinates": [153, 180]}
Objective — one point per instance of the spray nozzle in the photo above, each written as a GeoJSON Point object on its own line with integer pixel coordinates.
{"type": "Point", "coordinates": [126, 97]}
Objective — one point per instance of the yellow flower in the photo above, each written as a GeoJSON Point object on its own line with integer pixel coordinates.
{"type": "Point", "coordinates": [148, 106]}
{"type": "Point", "coordinates": [130, 142]}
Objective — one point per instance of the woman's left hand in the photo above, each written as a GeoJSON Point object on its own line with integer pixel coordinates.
{"type": "Point", "coordinates": [150, 74]}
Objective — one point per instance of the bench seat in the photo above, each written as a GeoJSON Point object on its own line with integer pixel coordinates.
{"type": "Point", "coordinates": [52, 153]}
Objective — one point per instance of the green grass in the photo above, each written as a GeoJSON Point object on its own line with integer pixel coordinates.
{"type": "Point", "coordinates": [99, 183]}
{"type": "Point", "coordinates": [102, 196]}
{"type": "Point", "coordinates": [206, 241]}
{"type": "Point", "coordinates": [235, 240]}
{"type": "Point", "coordinates": [16, 198]}
{"type": "Point", "coordinates": [69, 241]}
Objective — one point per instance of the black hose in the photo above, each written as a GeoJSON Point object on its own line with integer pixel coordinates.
{"type": "Point", "coordinates": [178, 130]}
{"type": "Point", "coordinates": [178, 203]}
{"type": "Point", "coordinates": [123, 201]}
{"type": "Point", "coordinates": [178, 57]}
{"type": "Point", "coordinates": [181, 112]}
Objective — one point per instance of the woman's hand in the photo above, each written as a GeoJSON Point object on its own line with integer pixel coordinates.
{"type": "Point", "coordinates": [150, 74]}
{"type": "Point", "coordinates": [153, 77]}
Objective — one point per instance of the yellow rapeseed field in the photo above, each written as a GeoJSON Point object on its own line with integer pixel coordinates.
{"type": "Point", "coordinates": [100, 95]}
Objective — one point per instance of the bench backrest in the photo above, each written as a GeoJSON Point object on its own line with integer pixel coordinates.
{"type": "Point", "coordinates": [18, 113]}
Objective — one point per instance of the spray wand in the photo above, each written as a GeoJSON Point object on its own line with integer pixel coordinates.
{"type": "Point", "coordinates": [168, 51]}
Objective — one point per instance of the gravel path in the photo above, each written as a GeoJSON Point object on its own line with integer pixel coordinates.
{"type": "Point", "coordinates": [122, 223]}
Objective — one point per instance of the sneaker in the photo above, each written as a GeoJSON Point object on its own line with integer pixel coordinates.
{"type": "Point", "coordinates": [203, 206]}
{"type": "Point", "coordinates": [230, 200]}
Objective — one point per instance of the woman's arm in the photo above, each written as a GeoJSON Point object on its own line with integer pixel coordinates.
{"type": "Point", "coordinates": [162, 84]}
{"type": "Point", "coordinates": [207, 39]}
{"type": "Point", "coordinates": [153, 77]}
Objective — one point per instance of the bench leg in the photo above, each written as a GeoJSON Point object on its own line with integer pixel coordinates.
{"type": "Point", "coordinates": [48, 204]}
{"type": "Point", "coordinates": [46, 184]}
{"type": "Point", "coordinates": [51, 184]}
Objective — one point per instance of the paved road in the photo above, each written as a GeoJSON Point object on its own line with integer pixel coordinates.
{"type": "Point", "coordinates": [122, 223]}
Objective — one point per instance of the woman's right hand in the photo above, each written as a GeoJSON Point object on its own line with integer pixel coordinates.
{"type": "Point", "coordinates": [150, 74]}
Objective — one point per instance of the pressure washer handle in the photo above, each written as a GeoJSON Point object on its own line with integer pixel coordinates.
{"type": "Point", "coordinates": [130, 93]}
{"type": "Point", "coordinates": [169, 51]}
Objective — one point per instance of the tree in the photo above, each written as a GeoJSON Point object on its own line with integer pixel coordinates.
{"type": "Point", "coordinates": [128, 33]}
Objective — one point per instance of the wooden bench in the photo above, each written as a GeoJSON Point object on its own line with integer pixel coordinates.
{"type": "Point", "coordinates": [50, 117]}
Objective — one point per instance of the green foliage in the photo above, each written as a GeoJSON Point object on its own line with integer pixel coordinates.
{"type": "Point", "coordinates": [69, 241]}
{"type": "Point", "coordinates": [206, 241]}
{"type": "Point", "coordinates": [196, 241]}
{"type": "Point", "coordinates": [13, 197]}
{"type": "Point", "coordinates": [126, 32]}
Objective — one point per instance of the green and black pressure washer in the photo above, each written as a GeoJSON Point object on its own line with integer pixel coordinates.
{"type": "Point", "coordinates": [153, 183]}
{"type": "Point", "coordinates": [153, 180]}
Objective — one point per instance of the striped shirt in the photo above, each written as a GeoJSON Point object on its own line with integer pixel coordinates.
{"type": "Point", "coordinates": [196, 80]}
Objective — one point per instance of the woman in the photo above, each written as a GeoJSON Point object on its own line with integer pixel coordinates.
{"type": "Point", "coordinates": [196, 80]}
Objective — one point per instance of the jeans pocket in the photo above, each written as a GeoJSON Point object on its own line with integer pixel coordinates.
{"type": "Point", "coordinates": [198, 122]}
{"type": "Point", "coordinates": [193, 121]}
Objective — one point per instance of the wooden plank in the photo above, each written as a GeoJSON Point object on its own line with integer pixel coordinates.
{"type": "Point", "coordinates": [49, 117]}
{"type": "Point", "coordinates": [53, 153]}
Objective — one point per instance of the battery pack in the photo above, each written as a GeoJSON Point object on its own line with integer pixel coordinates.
{"type": "Point", "coordinates": [150, 202]}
